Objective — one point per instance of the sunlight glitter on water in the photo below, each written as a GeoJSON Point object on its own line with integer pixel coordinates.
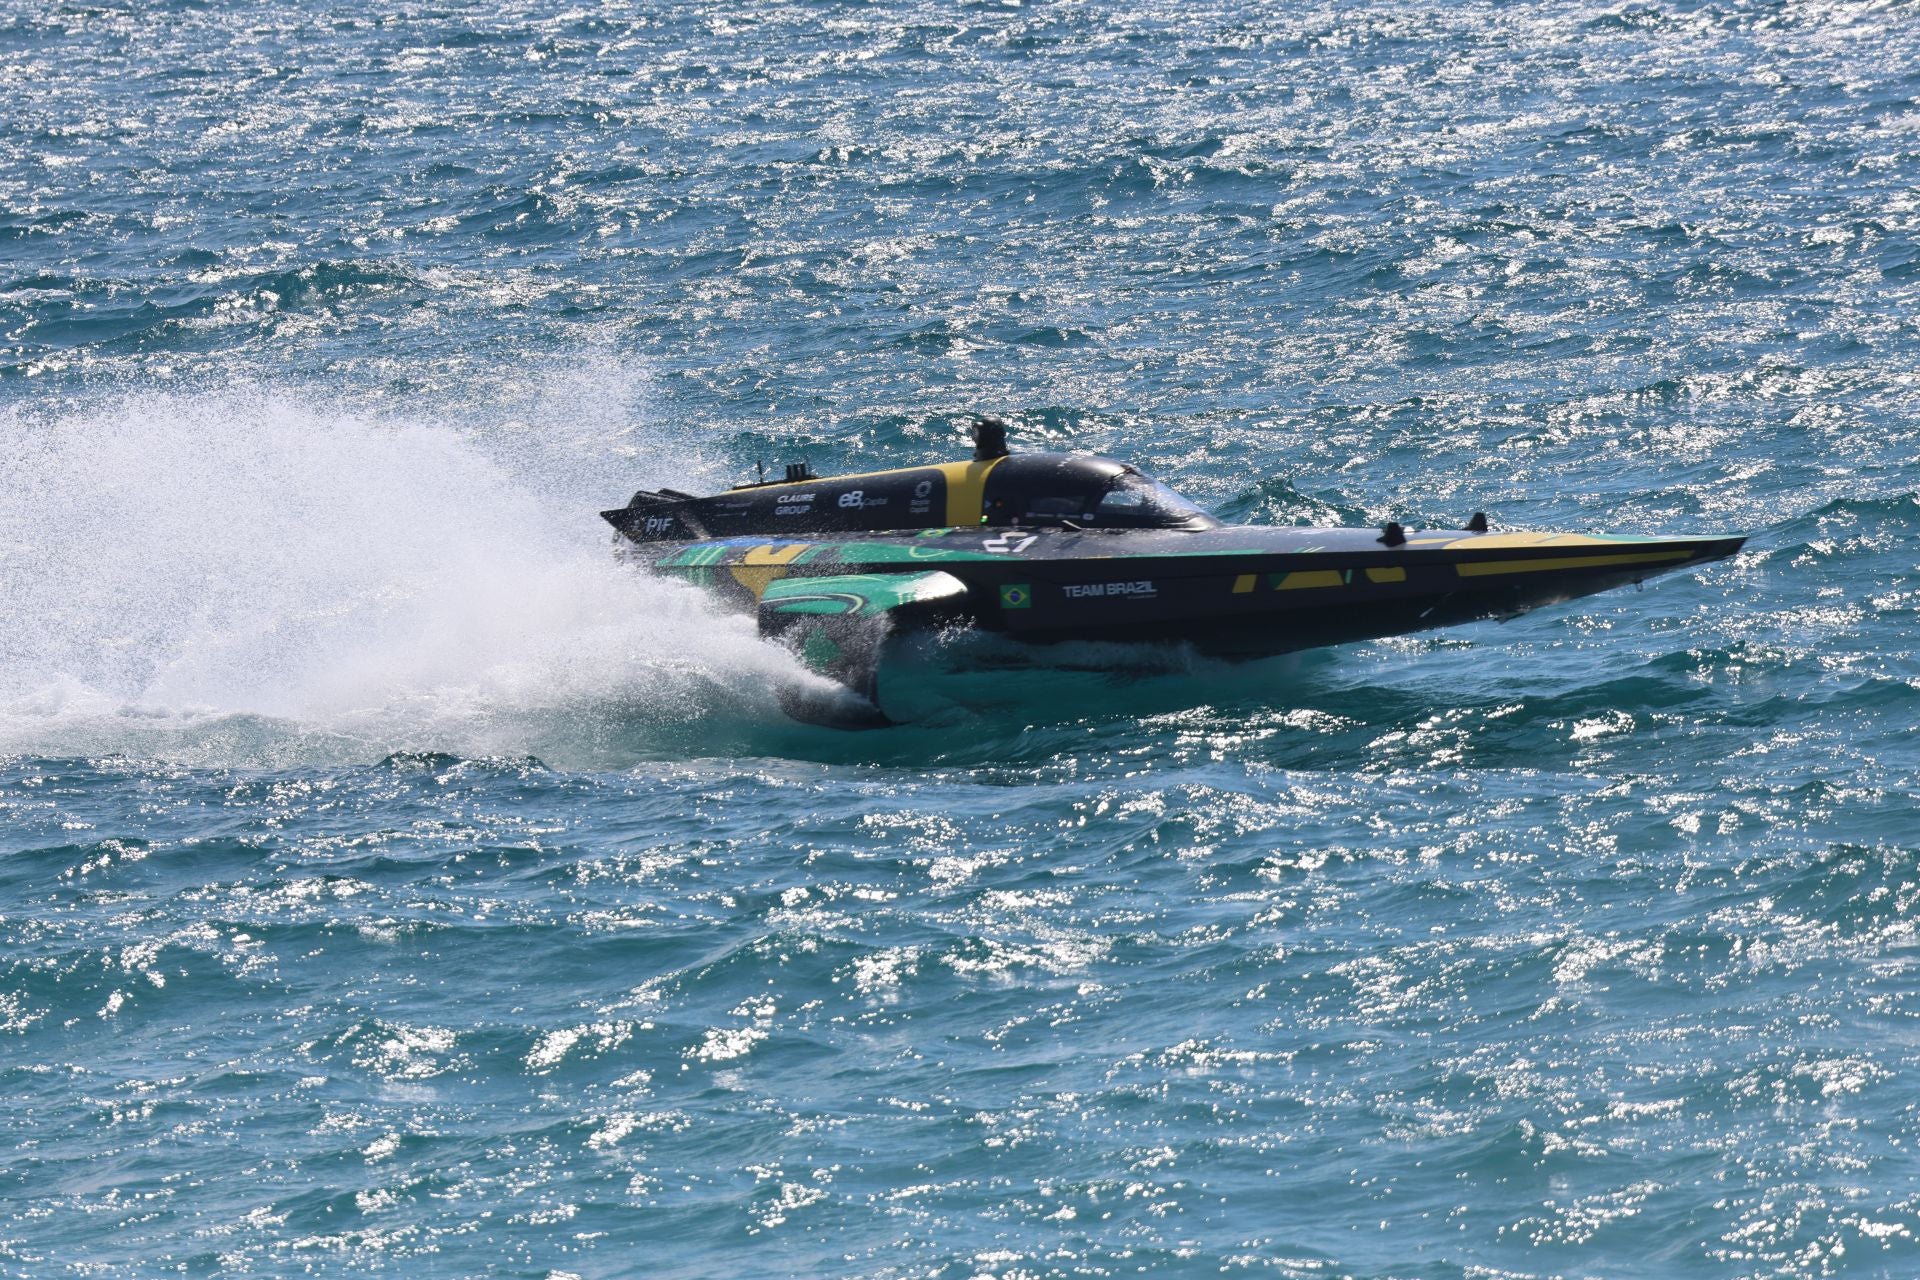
{"type": "Point", "coordinates": [389, 880]}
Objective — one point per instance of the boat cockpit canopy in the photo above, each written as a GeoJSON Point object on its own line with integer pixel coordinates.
{"type": "Point", "coordinates": [1084, 492]}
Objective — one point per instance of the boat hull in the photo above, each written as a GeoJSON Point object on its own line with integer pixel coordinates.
{"type": "Point", "coordinates": [840, 601]}
{"type": "Point", "coordinates": [1233, 592]}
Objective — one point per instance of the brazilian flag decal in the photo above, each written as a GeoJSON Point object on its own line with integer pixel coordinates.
{"type": "Point", "coordinates": [1017, 596]}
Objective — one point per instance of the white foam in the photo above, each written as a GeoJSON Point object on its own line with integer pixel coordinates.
{"type": "Point", "coordinates": [248, 574]}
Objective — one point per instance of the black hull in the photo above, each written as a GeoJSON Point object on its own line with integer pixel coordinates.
{"type": "Point", "coordinates": [1037, 550]}
{"type": "Point", "coordinates": [1254, 608]}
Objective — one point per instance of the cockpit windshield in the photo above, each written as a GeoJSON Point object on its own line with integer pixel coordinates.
{"type": "Point", "coordinates": [1135, 502]}
{"type": "Point", "coordinates": [1077, 491]}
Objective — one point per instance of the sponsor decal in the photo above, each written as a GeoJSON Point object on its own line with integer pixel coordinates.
{"type": "Point", "coordinates": [923, 490]}
{"type": "Point", "coordinates": [658, 524]}
{"type": "Point", "coordinates": [1111, 591]}
{"type": "Point", "coordinates": [1008, 544]}
{"type": "Point", "coordinates": [1016, 596]}
{"type": "Point", "coordinates": [857, 500]}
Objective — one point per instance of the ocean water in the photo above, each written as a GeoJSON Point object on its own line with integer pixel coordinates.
{"type": "Point", "coordinates": [391, 883]}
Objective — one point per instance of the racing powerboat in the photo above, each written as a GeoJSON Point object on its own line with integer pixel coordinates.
{"type": "Point", "coordinates": [1046, 547]}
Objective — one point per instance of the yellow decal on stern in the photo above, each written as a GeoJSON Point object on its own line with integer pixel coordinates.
{"type": "Point", "coordinates": [762, 565]}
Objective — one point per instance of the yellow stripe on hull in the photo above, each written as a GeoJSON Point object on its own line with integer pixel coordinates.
{"type": "Point", "coordinates": [1493, 568]}
{"type": "Point", "coordinates": [966, 490]}
{"type": "Point", "coordinates": [1522, 541]}
{"type": "Point", "coordinates": [1307, 578]}
{"type": "Point", "coordinates": [762, 565]}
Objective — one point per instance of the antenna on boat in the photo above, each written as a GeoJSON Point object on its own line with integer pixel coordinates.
{"type": "Point", "coordinates": [989, 439]}
{"type": "Point", "coordinates": [760, 466]}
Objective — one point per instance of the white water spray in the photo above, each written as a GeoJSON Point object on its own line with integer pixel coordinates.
{"type": "Point", "coordinates": [251, 576]}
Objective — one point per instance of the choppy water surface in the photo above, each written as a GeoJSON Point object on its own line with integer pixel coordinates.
{"type": "Point", "coordinates": [388, 880]}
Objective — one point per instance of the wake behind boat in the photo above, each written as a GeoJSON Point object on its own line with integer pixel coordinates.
{"type": "Point", "coordinates": [1047, 547]}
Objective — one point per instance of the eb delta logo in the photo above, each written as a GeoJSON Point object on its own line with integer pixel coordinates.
{"type": "Point", "coordinates": [1018, 596]}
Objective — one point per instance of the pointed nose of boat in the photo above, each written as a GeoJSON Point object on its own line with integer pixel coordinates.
{"type": "Point", "coordinates": [1716, 547]}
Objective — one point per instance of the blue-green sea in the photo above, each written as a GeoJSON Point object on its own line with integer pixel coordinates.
{"type": "Point", "coordinates": [393, 883]}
